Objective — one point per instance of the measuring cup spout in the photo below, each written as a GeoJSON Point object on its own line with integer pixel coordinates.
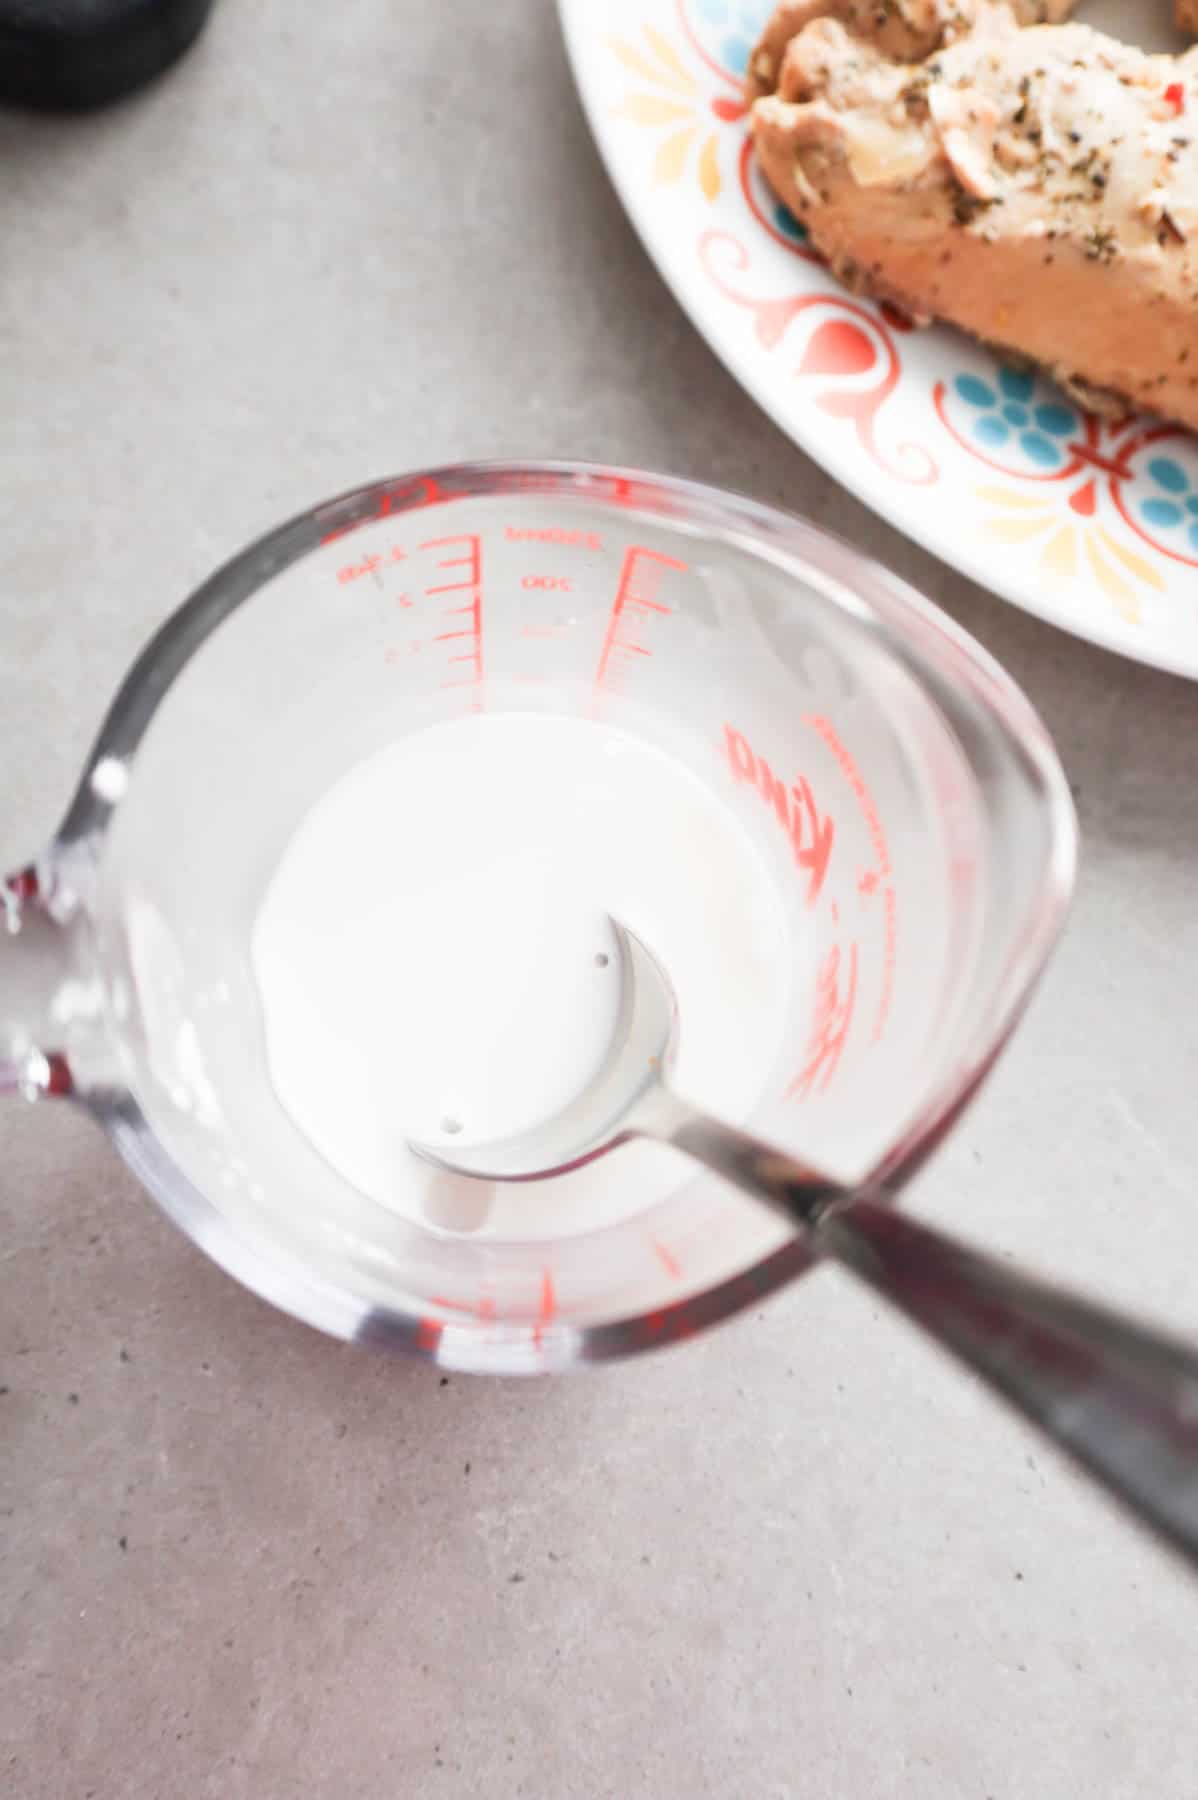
{"type": "Point", "coordinates": [34, 975]}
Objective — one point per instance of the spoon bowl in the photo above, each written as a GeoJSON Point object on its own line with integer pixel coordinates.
{"type": "Point", "coordinates": [628, 1097]}
{"type": "Point", "coordinates": [1118, 1395]}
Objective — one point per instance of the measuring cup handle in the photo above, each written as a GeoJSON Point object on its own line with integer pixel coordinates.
{"type": "Point", "coordinates": [34, 963]}
{"type": "Point", "coordinates": [1121, 1397]}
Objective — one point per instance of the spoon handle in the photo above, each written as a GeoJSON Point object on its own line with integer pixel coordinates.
{"type": "Point", "coordinates": [1121, 1397]}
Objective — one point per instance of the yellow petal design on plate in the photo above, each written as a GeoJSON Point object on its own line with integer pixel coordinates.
{"type": "Point", "coordinates": [1130, 560]}
{"type": "Point", "coordinates": [651, 109]}
{"type": "Point", "coordinates": [1017, 531]}
{"type": "Point", "coordinates": [1007, 497]}
{"type": "Point", "coordinates": [1060, 554]}
{"type": "Point", "coordinates": [670, 160]}
{"type": "Point", "coordinates": [666, 54]}
{"type": "Point", "coordinates": [650, 71]}
{"type": "Point", "coordinates": [1113, 584]}
{"type": "Point", "coordinates": [709, 167]}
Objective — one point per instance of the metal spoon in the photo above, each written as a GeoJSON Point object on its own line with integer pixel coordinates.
{"type": "Point", "coordinates": [1121, 1397]}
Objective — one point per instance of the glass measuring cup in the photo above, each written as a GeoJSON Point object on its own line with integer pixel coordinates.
{"type": "Point", "coordinates": [903, 795]}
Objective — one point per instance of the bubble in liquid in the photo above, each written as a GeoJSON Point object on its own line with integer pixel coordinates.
{"type": "Point", "coordinates": [451, 1127]}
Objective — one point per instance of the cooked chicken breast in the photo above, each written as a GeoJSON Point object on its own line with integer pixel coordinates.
{"type": "Point", "coordinates": [1037, 187]}
{"type": "Point", "coordinates": [907, 30]}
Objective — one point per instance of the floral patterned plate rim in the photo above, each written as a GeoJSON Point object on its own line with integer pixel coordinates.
{"type": "Point", "coordinates": [1087, 522]}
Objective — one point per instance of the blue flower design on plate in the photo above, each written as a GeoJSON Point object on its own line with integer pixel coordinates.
{"type": "Point", "coordinates": [736, 26]}
{"type": "Point", "coordinates": [788, 225]}
{"type": "Point", "coordinates": [1014, 410]}
{"type": "Point", "coordinates": [1174, 505]}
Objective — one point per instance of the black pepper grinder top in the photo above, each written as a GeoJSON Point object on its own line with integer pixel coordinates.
{"type": "Point", "coordinates": [67, 55]}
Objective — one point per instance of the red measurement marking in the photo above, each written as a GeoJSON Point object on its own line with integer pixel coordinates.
{"type": "Point", "coordinates": [470, 583]}
{"type": "Point", "coordinates": [428, 1333]}
{"type": "Point", "coordinates": [483, 1308]}
{"type": "Point", "coordinates": [859, 785]}
{"type": "Point", "coordinates": [554, 534]}
{"type": "Point", "coordinates": [355, 571]}
{"type": "Point", "coordinates": [548, 1307]}
{"type": "Point", "coordinates": [667, 1259]}
{"type": "Point", "coordinates": [640, 580]}
{"type": "Point", "coordinates": [371, 564]}
{"type": "Point", "coordinates": [879, 875]}
{"type": "Point", "coordinates": [409, 496]}
{"type": "Point", "coordinates": [549, 584]}
{"type": "Point", "coordinates": [811, 833]}
{"type": "Point", "coordinates": [835, 999]}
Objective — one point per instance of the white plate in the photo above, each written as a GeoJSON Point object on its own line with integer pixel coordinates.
{"type": "Point", "coordinates": [1086, 523]}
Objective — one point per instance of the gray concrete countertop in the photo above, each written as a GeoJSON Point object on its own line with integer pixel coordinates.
{"type": "Point", "coordinates": [800, 1557]}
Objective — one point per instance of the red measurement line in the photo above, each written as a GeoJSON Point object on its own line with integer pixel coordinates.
{"type": "Point", "coordinates": [548, 1307]}
{"type": "Point", "coordinates": [482, 1308]}
{"type": "Point", "coordinates": [473, 610]}
{"type": "Point", "coordinates": [667, 1259]}
{"type": "Point", "coordinates": [647, 566]}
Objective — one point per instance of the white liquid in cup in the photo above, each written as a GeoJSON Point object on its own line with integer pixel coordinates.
{"type": "Point", "coordinates": [435, 961]}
